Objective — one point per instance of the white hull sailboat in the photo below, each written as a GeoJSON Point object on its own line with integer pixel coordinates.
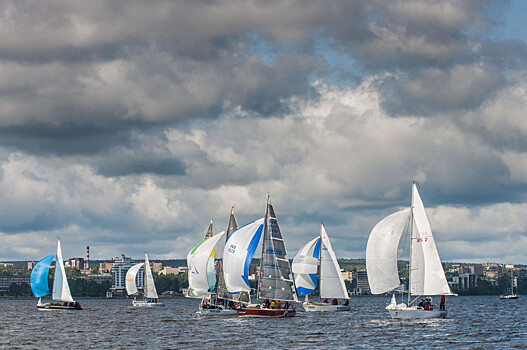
{"type": "Point", "coordinates": [426, 274]}
{"type": "Point", "coordinates": [62, 299]}
{"type": "Point", "coordinates": [275, 283]}
{"type": "Point", "coordinates": [202, 276]}
{"type": "Point", "coordinates": [317, 258]}
{"type": "Point", "coordinates": [151, 298]}
{"type": "Point", "coordinates": [324, 307]}
{"type": "Point", "coordinates": [512, 294]}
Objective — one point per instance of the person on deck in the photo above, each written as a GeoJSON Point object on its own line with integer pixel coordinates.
{"type": "Point", "coordinates": [442, 303]}
{"type": "Point", "coordinates": [325, 301]}
{"type": "Point", "coordinates": [334, 302]}
{"type": "Point", "coordinates": [272, 304]}
{"type": "Point", "coordinates": [279, 304]}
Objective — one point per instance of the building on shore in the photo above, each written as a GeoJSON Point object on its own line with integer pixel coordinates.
{"type": "Point", "coordinates": [76, 263]}
{"type": "Point", "coordinates": [6, 281]}
{"type": "Point", "coordinates": [464, 281]}
{"type": "Point", "coordinates": [363, 286]}
{"type": "Point", "coordinates": [105, 267]}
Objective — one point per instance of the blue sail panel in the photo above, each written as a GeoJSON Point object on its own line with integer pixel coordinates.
{"type": "Point", "coordinates": [39, 277]}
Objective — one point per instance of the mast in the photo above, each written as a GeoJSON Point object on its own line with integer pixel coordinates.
{"type": "Point", "coordinates": [319, 267]}
{"type": "Point", "coordinates": [265, 233]}
{"type": "Point", "coordinates": [411, 238]}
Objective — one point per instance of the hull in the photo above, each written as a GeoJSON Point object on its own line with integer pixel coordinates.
{"type": "Point", "coordinates": [52, 306]}
{"type": "Point", "coordinates": [509, 296]}
{"type": "Point", "coordinates": [324, 307]}
{"type": "Point", "coordinates": [217, 312]}
{"type": "Point", "coordinates": [414, 313]}
{"type": "Point", "coordinates": [257, 312]}
{"type": "Point", "coordinates": [144, 303]}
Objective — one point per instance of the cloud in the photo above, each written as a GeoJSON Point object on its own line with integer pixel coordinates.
{"type": "Point", "coordinates": [126, 126]}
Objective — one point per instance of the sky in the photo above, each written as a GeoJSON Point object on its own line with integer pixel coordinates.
{"type": "Point", "coordinates": [128, 125]}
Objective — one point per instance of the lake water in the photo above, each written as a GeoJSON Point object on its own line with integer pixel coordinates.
{"type": "Point", "coordinates": [482, 322]}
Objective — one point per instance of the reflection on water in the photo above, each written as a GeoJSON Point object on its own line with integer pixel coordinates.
{"type": "Point", "coordinates": [473, 322]}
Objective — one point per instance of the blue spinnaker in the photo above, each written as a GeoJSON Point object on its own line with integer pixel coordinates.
{"type": "Point", "coordinates": [39, 277]}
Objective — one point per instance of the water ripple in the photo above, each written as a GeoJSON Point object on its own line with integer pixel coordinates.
{"type": "Point", "coordinates": [474, 323]}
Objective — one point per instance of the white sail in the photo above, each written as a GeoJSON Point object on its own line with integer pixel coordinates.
{"type": "Point", "coordinates": [381, 252]}
{"type": "Point", "coordinates": [61, 289]}
{"type": "Point", "coordinates": [431, 279]}
{"type": "Point", "coordinates": [149, 286]}
{"type": "Point", "coordinates": [237, 255]}
{"type": "Point", "coordinates": [201, 270]}
{"type": "Point", "coordinates": [305, 266]}
{"type": "Point", "coordinates": [331, 282]}
{"type": "Point", "coordinates": [131, 287]}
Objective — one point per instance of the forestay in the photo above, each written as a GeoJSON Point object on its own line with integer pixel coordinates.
{"type": "Point", "coordinates": [305, 266]}
{"type": "Point", "coordinates": [149, 286]}
{"type": "Point", "coordinates": [381, 252]}
{"type": "Point", "coordinates": [276, 279]}
{"type": "Point", "coordinates": [201, 269]}
{"type": "Point", "coordinates": [237, 255]}
{"type": "Point", "coordinates": [428, 277]}
{"type": "Point", "coordinates": [331, 282]}
{"type": "Point", "coordinates": [39, 277]}
{"type": "Point", "coordinates": [131, 274]}
{"type": "Point", "coordinates": [61, 289]}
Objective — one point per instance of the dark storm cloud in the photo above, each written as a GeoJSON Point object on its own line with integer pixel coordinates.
{"type": "Point", "coordinates": [63, 139]}
{"type": "Point", "coordinates": [136, 166]}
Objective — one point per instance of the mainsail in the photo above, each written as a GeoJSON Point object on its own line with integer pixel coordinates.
{"type": "Point", "coordinates": [201, 270]}
{"type": "Point", "coordinates": [149, 286]}
{"type": "Point", "coordinates": [305, 268]}
{"type": "Point", "coordinates": [237, 255]}
{"type": "Point", "coordinates": [61, 289]}
{"type": "Point", "coordinates": [39, 277]}
{"type": "Point", "coordinates": [331, 282]}
{"type": "Point", "coordinates": [276, 280]}
{"type": "Point", "coordinates": [221, 289]}
{"type": "Point", "coordinates": [432, 279]}
{"type": "Point", "coordinates": [131, 274]}
{"type": "Point", "coordinates": [209, 233]}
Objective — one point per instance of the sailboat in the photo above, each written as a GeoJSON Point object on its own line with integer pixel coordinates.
{"type": "Point", "coordinates": [151, 298]}
{"type": "Point", "coordinates": [426, 274]}
{"type": "Point", "coordinates": [275, 282]}
{"type": "Point", "coordinates": [61, 290]}
{"type": "Point", "coordinates": [510, 295]}
{"type": "Point", "coordinates": [202, 275]}
{"type": "Point", "coordinates": [318, 256]}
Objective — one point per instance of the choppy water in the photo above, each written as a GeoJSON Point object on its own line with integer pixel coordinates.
{"type": "Point", "coordinates": [473, 323]}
